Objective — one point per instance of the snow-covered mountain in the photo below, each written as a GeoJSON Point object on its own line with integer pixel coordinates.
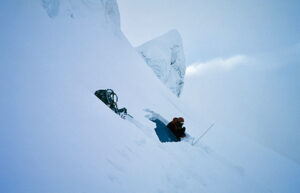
{"type": "Point", "coordinates": [165, 56]}
{"type": "Point", "coordinates": [57, 136]}
{"type": "Point", "coordinates": [104, 12]}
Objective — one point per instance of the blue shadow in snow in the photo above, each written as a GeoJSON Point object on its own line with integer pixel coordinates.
{"type": "Point", "coordinates": [163, 133]}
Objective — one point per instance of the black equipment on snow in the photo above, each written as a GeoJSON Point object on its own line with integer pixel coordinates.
{"type": "Point", "coordinates": [110, 98]}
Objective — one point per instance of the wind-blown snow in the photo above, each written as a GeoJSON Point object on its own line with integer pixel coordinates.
{"type": "Point", "coordinates": [57, 136]}
{"type": "Point", "coordinates": [165, 56]}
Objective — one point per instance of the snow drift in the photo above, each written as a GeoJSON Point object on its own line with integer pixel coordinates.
{"type": "Point", "coordinates": [165, 56]}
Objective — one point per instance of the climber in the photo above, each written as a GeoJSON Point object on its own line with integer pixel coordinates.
{"type": "Point", "coordinates": [176, 127]}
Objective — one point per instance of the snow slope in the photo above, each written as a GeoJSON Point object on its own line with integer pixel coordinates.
{"type": "Point", "coordinates": [165, 56]}
{"type": "Point", "coordinates": [56, 136]}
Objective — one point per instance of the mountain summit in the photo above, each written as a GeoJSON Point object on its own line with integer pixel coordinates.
{"type": "Point", "coordinates": [165, 56]}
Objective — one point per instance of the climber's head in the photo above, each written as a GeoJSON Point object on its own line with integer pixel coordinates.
{"type": "Point", "coordinates": [180, 119]}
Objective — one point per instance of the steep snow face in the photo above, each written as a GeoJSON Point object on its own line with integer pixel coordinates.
{"type": "Point", "coordinates": [165, 57]}
{"type": "Point", "coordinates": [98, 10]}
{"type": "Point", "coordinates": [57, 136]}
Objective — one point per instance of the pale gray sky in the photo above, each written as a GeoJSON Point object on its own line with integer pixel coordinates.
{"type": "Point", "coordinates": [212, 29]}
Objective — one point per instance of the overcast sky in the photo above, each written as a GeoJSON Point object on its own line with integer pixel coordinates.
{"type": "Point", "coordinates": [212, 29]}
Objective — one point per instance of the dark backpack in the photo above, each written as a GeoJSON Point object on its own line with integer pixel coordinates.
{"type": "Point", "coordinates": [109, 97]}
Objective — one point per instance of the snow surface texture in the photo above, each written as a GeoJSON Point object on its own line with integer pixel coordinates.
{"type": "Point", "coordinates": [57, 136]}
{"type": "Point", "coordinates": [100, 10]}
{"type": "Point", "coordinates": [165, 56]}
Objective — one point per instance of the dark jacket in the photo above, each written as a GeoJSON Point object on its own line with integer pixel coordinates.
{"type": "Point", "coordinates": [176, 127]}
